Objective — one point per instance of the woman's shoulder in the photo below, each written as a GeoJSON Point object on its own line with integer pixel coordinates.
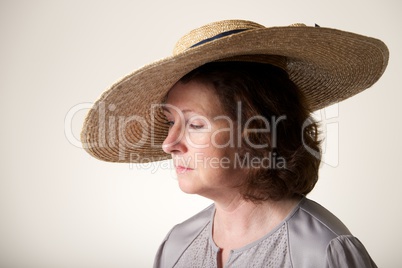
{"type": "Point", "coordinates": [313, 226]}
{"type": "Point", "coordinates": [317, 237]}
{"type": "Point", "coordinates": [317, 219]}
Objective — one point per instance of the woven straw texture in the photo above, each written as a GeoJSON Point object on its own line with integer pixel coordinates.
{"type": "Point", "coordinates": [328, 65]}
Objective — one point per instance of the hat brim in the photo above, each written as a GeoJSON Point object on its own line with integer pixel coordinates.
{"type": "Point", "coordinates": [327, 65]}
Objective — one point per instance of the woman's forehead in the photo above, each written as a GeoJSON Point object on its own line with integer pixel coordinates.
{"type": "Point", "coordinates": [193, 97]}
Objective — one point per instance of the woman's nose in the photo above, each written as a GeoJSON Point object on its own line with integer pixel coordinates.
{"type": "Point", "coordinates": [175, 141]}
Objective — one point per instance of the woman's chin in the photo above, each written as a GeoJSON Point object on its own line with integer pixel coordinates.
{"type": "Point", "coordinates": [186, 185]}
{"type": "Point", "coordinates": [185, 188]}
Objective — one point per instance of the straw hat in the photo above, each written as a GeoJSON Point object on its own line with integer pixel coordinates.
{"type": "Point", "coordinates": [328, 65]}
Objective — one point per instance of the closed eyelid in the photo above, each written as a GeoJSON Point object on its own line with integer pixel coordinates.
{"type": "Point", "coordinates": [198, 122]}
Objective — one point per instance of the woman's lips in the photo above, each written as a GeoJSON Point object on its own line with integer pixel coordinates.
{"type": "Point", "coordinates": [181, 169]}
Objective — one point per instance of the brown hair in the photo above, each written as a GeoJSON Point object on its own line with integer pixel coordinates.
{"type": "Point", "coordinates": [266, 92]}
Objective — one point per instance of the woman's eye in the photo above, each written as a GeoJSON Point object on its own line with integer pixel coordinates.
{"type": "Point", "coordinates": [196, 126]}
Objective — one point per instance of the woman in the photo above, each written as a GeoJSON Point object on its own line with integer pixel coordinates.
{"type": "Point", "coordinates": [232, 108]}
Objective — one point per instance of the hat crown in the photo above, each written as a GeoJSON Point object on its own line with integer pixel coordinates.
{"type": "Point", "coordinates": [209, 31]}
{"type": "Point", "coordinates": [327, 66]}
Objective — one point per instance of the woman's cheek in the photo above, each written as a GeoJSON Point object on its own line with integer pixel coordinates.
{"type": "Point", "coordinates": [199, 140]}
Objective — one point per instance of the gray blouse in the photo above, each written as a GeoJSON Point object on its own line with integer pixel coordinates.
{"type": "Point", "coordinates": [310, 236]}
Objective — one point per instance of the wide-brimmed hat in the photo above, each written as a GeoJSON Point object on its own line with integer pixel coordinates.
{"type": "Point", "coordinates": [328, 65]}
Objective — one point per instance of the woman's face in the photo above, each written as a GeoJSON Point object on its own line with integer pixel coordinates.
{"type": "Point", "coordinates": [201, 141]}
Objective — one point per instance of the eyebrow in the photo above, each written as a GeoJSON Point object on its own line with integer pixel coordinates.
{"type": "Point", "coordinates": [183, 111]}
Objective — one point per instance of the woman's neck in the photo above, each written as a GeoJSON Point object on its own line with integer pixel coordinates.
{"type": "Point", "coordinates": [240, 222]}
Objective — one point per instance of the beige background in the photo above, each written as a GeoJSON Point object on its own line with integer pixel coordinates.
{"type": "Point", "coordinates": [61, 208]}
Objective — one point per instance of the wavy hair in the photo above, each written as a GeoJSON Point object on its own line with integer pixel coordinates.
{"type": "Point", "coordinates": [266, 94]}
